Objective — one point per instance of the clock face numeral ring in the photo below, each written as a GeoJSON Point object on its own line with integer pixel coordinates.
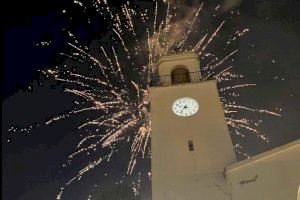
{"type": "Point", "coordinates": [185, 106]}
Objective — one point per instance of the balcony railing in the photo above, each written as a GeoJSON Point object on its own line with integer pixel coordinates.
{"type": "Point", "coordinates": [192, 77]}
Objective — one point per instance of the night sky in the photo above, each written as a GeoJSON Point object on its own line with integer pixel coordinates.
{"type": "Point", "coordinates": [32, 162]}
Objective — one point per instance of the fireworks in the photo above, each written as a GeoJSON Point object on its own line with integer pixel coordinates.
{"type": "Point", "coordinates": [112, 80]}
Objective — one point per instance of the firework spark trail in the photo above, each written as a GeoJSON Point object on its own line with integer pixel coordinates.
{"type": "Point", "coordinates": [225, 70]}
{"type": "Point", "coordinates": [190, 28]}
{"type": "Point", "coordinates": [70, 56]}
{"type": "Point", "coordinates": [71, 81]}
{"type": "Point", "coordinates": [129, 20]}
{"type": "Point", "coordinates": [88, 78]}
{"type": "Point", "coordinates": [136, 148]}
{"type": "Point", "coordinates": [58, 196]}
{"type": "Point", "coordinates": [157, 44]}
{"type": "Point", "coordinates": [239, 149]}
{"type": "Point", "coordinates": [121, 39]}
{"type": "Point", "coordinates": [162, 33]}
{"type": "Point", "coordinates": [252, 109]}
{"type": "Point", "coordinates": [118, 64]}
{"type": "Point", "coordinates": [149, 46]}
{"type": "Point", "coordinates": [237, 123]}
{"type": "Point", "coordinates": [155, 18]}
{"type": "Point", "coordinates": [236, 86]}
{"type": "Point", "coordinates": [85, 169]}
{"type": "Point", "coordinates": [87, 138]}
{"type": "Point", "coordinates": [112, 135]}
{"type": "Point", "coordinates": [91, 57]}
{"type": "Point", "coordinates": [92, 146]}
{"type": "Point", "coordinates": [149, 40]}
{"type": "Point", "coordinates": [90, 97]}
{"type": "Point", "coordinates": [211, 68]}
{"type": "Point", "coordinates": [223, 60]}
{"type": "Point", "coordinates": [199, 43]}
{"type": "Point", "coordinates": [119, 97]}
{"type": "Point", "coordinates": [237, 35]}
{"type": "Point", "coordinates": [107, 58]}
{"type": "Point", "coordinates": [102, 121]}
{"type": "Point", "coordinates": [137, 89]}
{"type": "Point", "coordinates": [166, 30]}
{"type": "Point", "coordinates": [211, 38]}
{"type": "Point", "coordinates": [123, 111]}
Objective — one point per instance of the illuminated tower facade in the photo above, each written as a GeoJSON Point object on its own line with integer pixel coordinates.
{"type": "Point", "coordinates": [190, 141]}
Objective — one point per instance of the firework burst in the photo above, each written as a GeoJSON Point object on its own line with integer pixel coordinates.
{"type": "Point", "coordinates": [111, 81]}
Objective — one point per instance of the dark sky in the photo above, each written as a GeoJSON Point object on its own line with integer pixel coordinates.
{"type": "Point", "coordinates": [31, 164]}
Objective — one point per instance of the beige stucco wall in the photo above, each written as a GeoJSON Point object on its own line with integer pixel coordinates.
{"type": "Point", "coordinates": [298, 198]}
{"type": "Point", "coordinates": [180, 174]}
{"type": "Point", "coordinates": [273, 175]}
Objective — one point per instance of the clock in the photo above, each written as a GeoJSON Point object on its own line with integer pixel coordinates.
{"type": "Point", "coordinates": [185, 107]}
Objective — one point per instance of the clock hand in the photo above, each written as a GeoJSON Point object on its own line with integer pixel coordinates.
{"type": "Point", "coordinates": [183, 108]}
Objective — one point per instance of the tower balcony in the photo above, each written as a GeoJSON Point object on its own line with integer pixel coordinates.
{"type": "Point", "coordinates": [174, 79]}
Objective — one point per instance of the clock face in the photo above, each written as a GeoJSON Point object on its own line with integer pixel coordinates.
{"type": "Point", "coordinates": [185, 106]}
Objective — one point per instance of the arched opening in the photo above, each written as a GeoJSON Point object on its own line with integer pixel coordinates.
{"type": "Point", "coordinates": [180, 75]}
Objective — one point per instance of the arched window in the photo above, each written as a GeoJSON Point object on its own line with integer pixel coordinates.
{"type": "Point", "coordinates": [180, 75]}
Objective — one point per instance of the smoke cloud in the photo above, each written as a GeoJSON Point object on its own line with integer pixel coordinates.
{"type": "Point", "coordinates": [230, 4]}
{"type": "Point", "coordinates": [177, 27]}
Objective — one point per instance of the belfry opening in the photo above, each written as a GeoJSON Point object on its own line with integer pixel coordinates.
{"type": "Point", "coordinates": [180, 75]}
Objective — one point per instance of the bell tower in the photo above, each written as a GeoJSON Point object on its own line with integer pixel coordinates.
{"type": "Point", "coordinates": [190, 141]}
